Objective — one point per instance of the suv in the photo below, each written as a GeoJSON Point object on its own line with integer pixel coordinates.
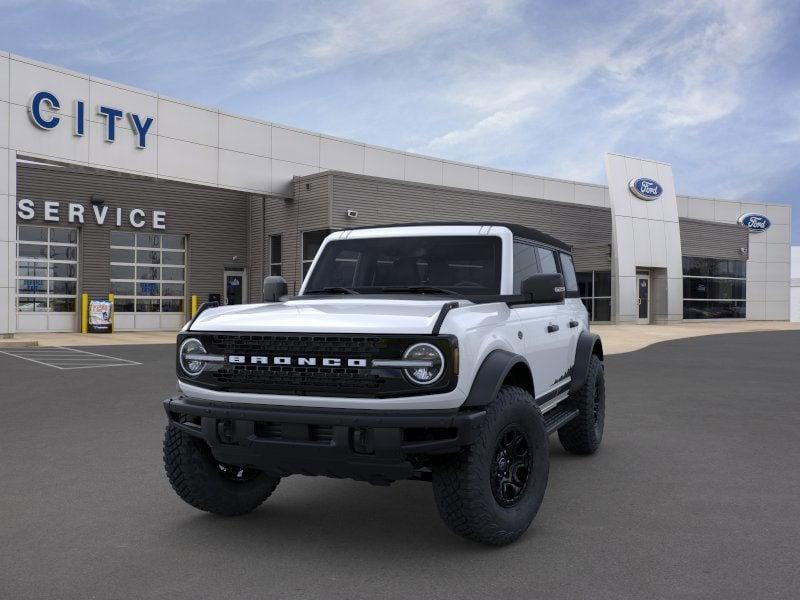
{"type": "Point", "coordinates": [443, 352]}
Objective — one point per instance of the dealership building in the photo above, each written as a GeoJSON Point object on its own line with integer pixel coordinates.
{"type": "Point", "coordinates": [106, 189]}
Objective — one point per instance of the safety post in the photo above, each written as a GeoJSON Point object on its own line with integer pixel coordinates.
{"type": "Point", "coordinates": [113, 312]}
{"type": "Point", "coordinates": [84, 313]}
{"type": "Point", "coordinates": [194, 305]}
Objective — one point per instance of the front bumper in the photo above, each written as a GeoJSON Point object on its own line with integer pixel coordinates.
{"type": "Point", "coordinates": [375, 446]}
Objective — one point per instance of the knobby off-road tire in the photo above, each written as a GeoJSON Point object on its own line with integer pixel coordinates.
{"type": "Point", "coordinates": [206, 484]}
{"type": "Point", "coordinates": [468, 496]}
{"type": "Point", "coordinates": [584, 433]}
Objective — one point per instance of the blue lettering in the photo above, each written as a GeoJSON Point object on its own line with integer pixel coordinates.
{"type": "Point", "coordinates": [80, 118]}
{"type": "Point", "coordinates": [36, 109]}
{"type": "Point", "coordinates": [141, 129]}
{"type": "Point", "coordinates": [111, 115]}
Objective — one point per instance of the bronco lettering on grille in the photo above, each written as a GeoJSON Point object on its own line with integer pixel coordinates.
{"type": "Point", "coordinates": [301, 361]}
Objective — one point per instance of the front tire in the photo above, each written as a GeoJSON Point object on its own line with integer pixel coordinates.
{"type": "Point", "coordinates": [209, 485]}
{"type": "Point", "coordinates": [584, 433]}
{"type": "Point", "coordinates": [491, 491]}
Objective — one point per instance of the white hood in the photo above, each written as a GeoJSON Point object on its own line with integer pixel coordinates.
{"type": "Point", "coordinates": [326, 315]}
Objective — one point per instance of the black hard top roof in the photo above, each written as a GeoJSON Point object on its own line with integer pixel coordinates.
{"type": "Point", "coordinates": [529, 233]}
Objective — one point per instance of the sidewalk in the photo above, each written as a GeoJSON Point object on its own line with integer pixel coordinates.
{"type": "Point", "coordinates": [89, 339]}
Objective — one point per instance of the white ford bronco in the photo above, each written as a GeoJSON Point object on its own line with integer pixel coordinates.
{"type": "Point", "coordinates": [441, 352]}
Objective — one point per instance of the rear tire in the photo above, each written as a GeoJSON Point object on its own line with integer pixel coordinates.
{"type": "Point", "coordinates": [491, 491]}
{"type": "Point", "coordinates": [584, 433]}
{"type": "Point", "coordinates": [209, 485]}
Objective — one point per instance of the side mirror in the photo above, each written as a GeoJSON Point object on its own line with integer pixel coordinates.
{"type": "Point", "coordinates": [544, 288]}
{"type": "Point", "coordinates": [274, 287]}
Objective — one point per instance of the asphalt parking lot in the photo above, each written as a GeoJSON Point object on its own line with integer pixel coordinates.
{"type": "Point", "coordinates": [694, 494]}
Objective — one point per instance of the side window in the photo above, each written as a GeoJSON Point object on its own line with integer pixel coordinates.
{"type": "Point", "coordinates": [525, 263]}
{"type": "Point", "coordinates": [547, 260]}
{"type": "Point", "coordinates": [570, 279]}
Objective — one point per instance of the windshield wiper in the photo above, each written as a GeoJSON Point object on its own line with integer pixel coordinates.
{"type": "Point", "coordinates": [332, 290]}
{"type": "Point", "coordinates": [419, 289]}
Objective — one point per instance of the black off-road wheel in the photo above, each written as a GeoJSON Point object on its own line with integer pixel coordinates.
{"type": "Point", "coordinates": [209, 485]}
{"type": "Point", "coordinates": [584, 433]}
{"type": "Point", "coordinates": [491, 491]}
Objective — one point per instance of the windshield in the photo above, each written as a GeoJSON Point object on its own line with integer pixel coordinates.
{"type": "Point", "coordinates": [468, 265]}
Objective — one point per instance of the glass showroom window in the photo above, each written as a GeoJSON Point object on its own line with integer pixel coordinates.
{"type": "Point", "coordinates": [595, 290]}
{"type": "Point", "coordinates": [275, 255]}
{"type": "Point", "coordinates": [714, 288]}
{"type": "Point", "coordinates": [47, 269]}
{"type": "Point", "coordinates": [148, 272]}
{"type": "Point", "coordinates": [312, 240]}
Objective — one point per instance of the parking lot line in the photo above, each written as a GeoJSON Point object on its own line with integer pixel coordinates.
{"type": "Point", "coordinates": [67, 359]}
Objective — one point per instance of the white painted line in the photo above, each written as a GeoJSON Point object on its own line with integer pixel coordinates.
{"type": "Point", "coordinates": [31, 360]}
{"type": "Point", "coordinates": [103, 355]}
{"type": "Point", "coordinates": [64, 358]}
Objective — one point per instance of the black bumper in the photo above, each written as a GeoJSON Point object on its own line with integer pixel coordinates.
{"type": "Point", "coordinates": [375, 446]}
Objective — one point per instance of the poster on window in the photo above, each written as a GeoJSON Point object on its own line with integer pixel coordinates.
{"type": "Point", "coordinates": [100, 313]}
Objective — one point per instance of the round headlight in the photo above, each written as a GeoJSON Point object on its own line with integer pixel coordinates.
{"type": "Point", "coordinates": [192, 367]}
{"type": "Point", "coordinates": [425, 353]}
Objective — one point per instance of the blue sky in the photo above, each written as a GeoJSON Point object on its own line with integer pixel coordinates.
{"type": "Point", "coordinates": [542, 87]}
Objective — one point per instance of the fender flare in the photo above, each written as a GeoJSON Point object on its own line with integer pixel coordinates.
{"type": "Point", "coordinates": [490, 376]}
{"type": "Point", "coordinates": [588, 344]}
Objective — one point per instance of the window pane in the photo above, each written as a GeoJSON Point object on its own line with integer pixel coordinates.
{"type": "Point", "coordinates": [172, 305]}
{"type": "Point", "coordinates": [172, 273]}
{"type": "Point", "coordinates": [602, 283]}
{"type": "Point", "coordinates": [147, 289]}
{"type": "Point", "coordinates": [62, 288]}
{"type": "Point", "coordinates": [32, 269]}
{"type": "Point", "coordinates": [275, 250]}
{"type": "Point", "coordinates": [122, 238]}
{"type": "Point", "coordinates": [714, 267]}
{"type": "Point", "coordinates": [32, 251]}
{"type": "Point", "coordinates": [148, 240]}
{"type": "Point", "coordinates": [584, 284]}
{"type": "Point", "coordinates": [62, 304]}
{"type": "Point", "coordinates": [62, 235]}
{"type": "Point", "coordinates": [31, 304]}
{"type": "Point", "coordinates": [147, 272]}
{"type": "Point", "coordinates": [31, 286]}
{"type": "Point", "coordinates": [123, 256]}
{"type": "Point", "coordinates": [602, 309]}
{"type": "Point", "coordinates": [275, 270]}
{"type": "Point", "coordinates": [173, 258]}
{"type": "Point", "coordinates": [175, 242]}
{"type": "Point", "coordinates": [587, 302]}
{"type": "Point", "coordinates": [705, 309]}
{"type": "Point", "coordinates": [31, 233]}
{"type": "Point", "coordinates": [122, 288]}
{"type": "Point", "coordinates": [570, 280]}
{"type": "Point", "coordinates": [172, 289]}
{"type": "Point", "coordinates": [63, 270]}
{"type": "Point", "coordinates": [148, 306]}
{"type": "Point", "coordinates": [312, 240]}
{"type": "Point", "coordinates": [525, 264]}
{"type": "Point", "coordinates": [714, 289]}
{"type": "Point", "coordinates": [547, 260]}
{"type": "Point", "coordinates": [148, 257]}
{"type": "Point", "coordinates": [63, 253]}
{"type": "Point", "coordinates": [118, 272]}
{"type": "Point", "coordinates": [123, 304]}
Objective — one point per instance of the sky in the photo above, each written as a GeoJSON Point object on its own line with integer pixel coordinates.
{"type": "Point", "coordinates": [540, 87]}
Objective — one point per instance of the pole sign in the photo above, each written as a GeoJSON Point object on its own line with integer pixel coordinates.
{"type": "Point", "coordinates": [646, 189]}
{"type": "Point", "coordinates": [44, 108]}
{"type": "Point", "coordinates": [100, 315]}
{"type": "Point", "coordinates": [754, 222]}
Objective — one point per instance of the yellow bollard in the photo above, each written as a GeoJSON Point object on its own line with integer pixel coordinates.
{"type": "Point", "coordinates": [194, 305]}
{"type": "Point", "coordinates": [113, 312]}
{"type": "Point", "coordinates": [84, 313]}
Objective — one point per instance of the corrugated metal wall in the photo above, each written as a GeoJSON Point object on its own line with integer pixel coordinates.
{"type": "Point", "coordinates": [713, 240]}
{"type": "Point", "coordinates": [255, 245]}
{"type": "Point", "coordinates": [385, 201]}
{"type": "Point", "coordinates": [214, 220]}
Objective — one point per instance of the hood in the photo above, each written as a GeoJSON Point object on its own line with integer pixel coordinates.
{"type": "Point", "coordinates": [327, 315]}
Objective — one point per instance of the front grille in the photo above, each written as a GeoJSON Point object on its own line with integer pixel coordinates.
{"type": "Point", "coordinates": [295, 379]}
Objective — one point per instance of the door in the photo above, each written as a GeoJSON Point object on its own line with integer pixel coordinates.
{"type": "Point", "coordinates": [235, 285]}
{"type": "Point", "coordinates": [643, 289]}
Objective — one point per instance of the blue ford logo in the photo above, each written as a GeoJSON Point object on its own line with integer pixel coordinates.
{"type": "Point", "coordinates": [754, 222]}
{"type": "Point", "coordinates": [646, 189]}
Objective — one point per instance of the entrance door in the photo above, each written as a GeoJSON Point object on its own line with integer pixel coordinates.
{"type": "Point", "coordinates": [235, 283]}
{"type": "Point", "coordinates": [643, 287]}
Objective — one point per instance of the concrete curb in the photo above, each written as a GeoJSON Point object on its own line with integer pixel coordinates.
{"type": "Point", "coordinates": [18, 344]}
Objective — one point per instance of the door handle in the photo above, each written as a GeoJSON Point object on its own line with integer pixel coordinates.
{"type": "Point", "coordinates": [552, 328]}
{"type": "Point", "coordinates": [573, 324]}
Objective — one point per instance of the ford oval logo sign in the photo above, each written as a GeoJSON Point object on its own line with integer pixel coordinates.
{"type": "Point", "coordinates": [754, 222]}
{"type": "Point", "coordinates": [646, 189]}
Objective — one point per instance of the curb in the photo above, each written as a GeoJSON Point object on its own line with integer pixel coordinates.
{"type": "Point", "coordinates": [18, 344]}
